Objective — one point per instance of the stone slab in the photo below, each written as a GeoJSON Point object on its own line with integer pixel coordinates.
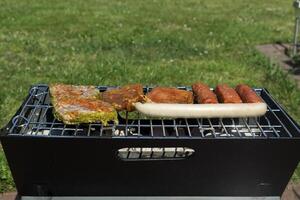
{"type": "Point", "coordinates": [277, 53]}
{"type": "Point", "coordinates": [292, 192]}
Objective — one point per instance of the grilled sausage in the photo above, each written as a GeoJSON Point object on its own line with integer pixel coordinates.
{"type": "Point", "coordinates": [201, 110]}
{"type": "Point", "coordinates": [227, 94]}
{"type": "Point", "coordinates": [247, 94]}
{"type": "Point", "coordinates": [169, 95]}
{"type": "Point", "coordinates": [203, 94]}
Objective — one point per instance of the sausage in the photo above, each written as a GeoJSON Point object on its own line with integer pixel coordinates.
{"type": "Point", "coordinates": [227, 94]}
{"type": "Point", "coordinates": [169, 95]}
{"type": "Point", "coordinates": [203, 94]}
{"type": "Point", "coordinates": [201, 110]}
{"type": "Point", "coordinates": [247, 94]}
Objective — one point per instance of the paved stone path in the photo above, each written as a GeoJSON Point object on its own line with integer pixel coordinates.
{"type": "Point", "coordinates": [8, 196]}
{"type": "Point", "coordinates": [277, 55]}
{"type": "Point", "coordinates": [292, 192]}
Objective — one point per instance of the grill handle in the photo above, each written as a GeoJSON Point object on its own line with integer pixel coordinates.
{"type": "Point", "coordinates": [154, 153]}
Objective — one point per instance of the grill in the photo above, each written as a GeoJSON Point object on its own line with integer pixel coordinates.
{"type": "Point", "coordinates": [150, 157]}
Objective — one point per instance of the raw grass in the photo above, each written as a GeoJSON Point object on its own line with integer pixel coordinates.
{"type": "Point", "coordinates": [153, 42]}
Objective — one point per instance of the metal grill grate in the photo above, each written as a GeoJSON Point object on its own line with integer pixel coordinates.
{"type": "Point", "coordinates": [35, 118]}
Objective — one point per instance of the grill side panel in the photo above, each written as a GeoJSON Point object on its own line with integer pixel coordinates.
{"type": "Point", "coordinates": [90, 167]}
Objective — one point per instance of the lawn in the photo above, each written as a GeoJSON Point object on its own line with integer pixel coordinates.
{"type": "Point", "coordinates": [154, 42]}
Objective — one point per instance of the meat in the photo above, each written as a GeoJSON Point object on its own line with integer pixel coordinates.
{"type": "Point", "coordinates": [227, 94]}
{"type": "Point", "coordinates": [80, 104]}
{"type": "Point", "coordinates": [247, 94]}
{"type": "Point", "coordinates": [203, 94]}
{"type": "Point", "coordinates": [76, 91]}
{"type": "Point", "coordinates": [169, 95]}
{"type": "Point", "coordinates": [124, 98]}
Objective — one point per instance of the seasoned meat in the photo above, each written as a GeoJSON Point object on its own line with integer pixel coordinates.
{"type": "Point", "coordinates": [80, 104]}
{"type": "Point", "coordinates": [227, 94]}
{"type": "Point", "coordinates": [75, 91]}
{"type": "Point", "coordinates": [247, 94]}
{"type": "Point", "coordinates": [169, 95]}
{"type": "Point", "coordinates": [124, 98]}
{"type": "Point", "coordinates": [203, 94]}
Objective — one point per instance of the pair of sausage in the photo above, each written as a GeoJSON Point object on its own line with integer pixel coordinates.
{"type": "Point", "coordinates": [225, 94]}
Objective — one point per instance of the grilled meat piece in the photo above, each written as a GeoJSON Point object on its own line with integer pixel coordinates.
{"type": "Point", "coordinates": [124, 98]}
{"type": "Point", "coordinates": [80, 104]}
{"type": "Point", "coordinates": [75, 91]}
{"type": "Point", "coordinates": [227, 94]}
{"type": "Point", "coordinates": [203, 94]}
{"type": "Point", "coordinates": [76, 111]}
{"type": "Point", "coordinates": [247, 94]}
{"type": "Point", "coordinates": [169, 95]}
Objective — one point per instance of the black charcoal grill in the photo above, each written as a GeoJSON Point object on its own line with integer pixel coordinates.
{"type": "Point", "coordinates": [250, 157]}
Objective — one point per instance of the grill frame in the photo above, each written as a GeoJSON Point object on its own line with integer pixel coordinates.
{"type": "Point", "coordinates": [264, 126]}
{"type": "Point", "coordinates": [88, 166]}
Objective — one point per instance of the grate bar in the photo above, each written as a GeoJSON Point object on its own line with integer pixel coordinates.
{"type": "Point", "coordinates": [63, 130]}
{"type": "Point", "coordinates": [212, 128]}
{"type": "Point", "coordinates": [39, 124]}
{"type": "Point", "coordinates": [139, 126]}
{"type": "Point", "coordinates": [235, 127]}
{"type": "Point", "coordinates": [223, 127]}
{"type": "Point", "coordinates": [260, 127]}
{"type": "Point", "coordinates": [200, 126]}
{"type": "Point", "coordinates": [101, 130]}
{"type": "Point", "coordinates": [89, 130]}
{"type": "Point", "coordinates": [51, 127]}
{"type": "Point", "coordinates": [22, 113]}
{"type": "Point", "coordinates": [246, 124]}
{"type": "Point", "coordinates": [33, 112]}
{"type": "Point", "coordinates": [188, 127]}
{"type": "Point", "coordinates": [288, 132]}
{"type": "Point", "coordinates": [281, 110]}
{"type": "Point", "coordinates": [151, 128]}
{"type": "Point", "coordinates": [76, 130]}
{"type": "Point", "coordinates": [163, 128]}
{"type": "Point", "coordinates": [271, 127]}
{"type": "Point", "coordinates": [175, 127]}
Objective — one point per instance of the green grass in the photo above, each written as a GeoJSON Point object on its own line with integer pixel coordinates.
{"type": "Point", "coordinates": [6, 182]}
{"type": "Point", "coordinates": [154, 42]}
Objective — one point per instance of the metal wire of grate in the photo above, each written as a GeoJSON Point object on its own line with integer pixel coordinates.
{"type": "Point", "coordinates": [35, 118]}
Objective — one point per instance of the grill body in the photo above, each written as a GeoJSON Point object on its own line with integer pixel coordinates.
{"type": "Point", "coordinates": [87, 166]}
{"type": "Point", "coordinates": [80, 161]}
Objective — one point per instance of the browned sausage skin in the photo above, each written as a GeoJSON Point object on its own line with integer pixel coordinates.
{"type": "Point", "coordinates": [247, 94]}
{"type": "Point", "coordinates": [203, 94]}
{"type": "Point", "coordinates": [227, 94]}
